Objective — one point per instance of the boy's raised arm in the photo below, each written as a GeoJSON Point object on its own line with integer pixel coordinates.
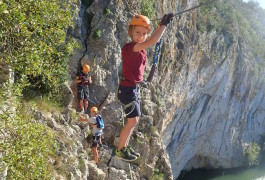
{"type": "Point", "coordinates": [151, 41]}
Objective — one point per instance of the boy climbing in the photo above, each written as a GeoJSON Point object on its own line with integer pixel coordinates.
{"type": "Point", "coordinates": [97, 130]}
{"type": "Point", "coordinates": [133, 65]}
{"type": "Point", "coordinates": [83, 79]}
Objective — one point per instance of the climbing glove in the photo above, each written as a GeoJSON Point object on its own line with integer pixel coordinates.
{"type": "Point", "coordinates": [167, 18]}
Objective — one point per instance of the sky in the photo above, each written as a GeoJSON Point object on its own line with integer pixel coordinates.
{"type": "Point", "coordinates": [261, 2]}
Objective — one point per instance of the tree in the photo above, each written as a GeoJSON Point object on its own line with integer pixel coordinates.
{"type": "Point", "coordinates": [35, 46]}
{"type": "Point", "coordinates": [33, 41]}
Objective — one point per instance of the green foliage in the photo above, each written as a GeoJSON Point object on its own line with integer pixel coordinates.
{"type": "Point", "coordinates": [157, 175]}
{"type": "Point", "coordinates": [97, 34]}
{"type": "Point", "coordinates": [33, 41]}
{"type": "Point", "coordinates": [145, 110]}
{"type": "Point", "coordinates": [159, 103]}
{"type": "Point", "coordinates": [26, 146]}
{"type": "Point", "coordinates": [116, 16]}
{"type": "Point", "coordinates": [107, 11]}
{"type": "Point", "coordinates": [147, 137]}
{"type": "Point", "coordinates": [147, 8]}
{"type": "Point", "coordinates": [146, 75]}
{"type": "Point", "coordinates": [82, 164]}
{"type": "Point", "coordinates": [215, 17]}
{"type": "Point", "coordinates": [139, 141]}
{"type": "Point", "coordinates": [46, 104]}
{"type": "Point", "coordinates": [154, 129]}
{"type": "Point", "coordinates": [34, 45]}
{"type": "Point", "coordinates": [75, 116]}
{"type": "Point", "coordinates": [235, 17]}
{"type": "Point", "coordinates": [252, 152]}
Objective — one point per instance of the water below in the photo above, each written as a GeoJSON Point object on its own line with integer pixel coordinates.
{"type": "Point", "coordinates": [253, 173]}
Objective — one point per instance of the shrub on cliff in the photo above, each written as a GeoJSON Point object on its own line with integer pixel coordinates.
{"type": "Point", "coordinates": [34, 46]}
{"type": "Point", "coordinates": [252, 152]}
{"type": "Point", "coordinates": [33, 42]}
{"type": "Point", "coordinates": [147, 8]}
{"type": "Point", "coordinates": [235, 19]}
{"type": "Point", "coordinates": [25, 147]}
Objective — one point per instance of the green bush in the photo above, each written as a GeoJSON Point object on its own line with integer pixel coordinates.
{"type": "Point", "coordinates": [97, 34]}
{"type": "Point", "coordinates": [35, 45]}
{"type": "Point", "coordinates": [46, 104]}
{"type": "Point", "coordinates": [33, 41]}
{"type": "Point", "coordinates": [26, 146]}
{"type": "Point", "coordinates": [107, 11]}
{"type": "Point", "coordinates": [157, 175]}
{"type": "Point", "coordinates": [145, 110]}
{"type": "Point", "coordinates": [252, 153]}
{"type": "Point", "coordinates": [147, 8]}
{"type": "Point", "coordinates": [232, 17]}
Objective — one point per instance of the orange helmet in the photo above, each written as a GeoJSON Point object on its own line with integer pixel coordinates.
{"type": "Point", "coordinates": [94, 109]}
{"type": "Point", "coordinates": [86, 68]}
{"type": "Point", "coordinates": [141, 20]}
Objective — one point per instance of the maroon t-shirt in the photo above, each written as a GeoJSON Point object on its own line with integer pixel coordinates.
{"type": "Point", "coordinates": [133, 65]}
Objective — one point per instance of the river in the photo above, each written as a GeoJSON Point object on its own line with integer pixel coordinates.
{"type": "Point", "coordinates": [253, 173]}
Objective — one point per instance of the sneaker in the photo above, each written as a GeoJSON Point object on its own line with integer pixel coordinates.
{"type": "Point", "coordinates": [133, 152]}
{"type": "Point", "coordinates": [125, 155]}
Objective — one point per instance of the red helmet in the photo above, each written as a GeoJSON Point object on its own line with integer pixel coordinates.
{"type": "Point", "coordinates": [141, 20]}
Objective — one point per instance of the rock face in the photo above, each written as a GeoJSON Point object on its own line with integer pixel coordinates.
{"type": "Point", "coordinates": [223, 110]}
{"type": "Point", "coordinates": [206, 101]}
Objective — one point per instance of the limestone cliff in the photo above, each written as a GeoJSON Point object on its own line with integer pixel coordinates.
{"type": "Point", "coordinates": [206, 102]}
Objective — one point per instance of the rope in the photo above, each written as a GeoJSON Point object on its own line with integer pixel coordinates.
{"type": "Point", "coordinates": [187, 10]}
{"type": "Point", "coordinates": [155, 60]}
{"type": "Point", "coordinates": [157, 51]}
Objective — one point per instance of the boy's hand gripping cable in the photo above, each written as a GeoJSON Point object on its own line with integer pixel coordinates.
{"type": "Point", "coordinates": [167, 18]}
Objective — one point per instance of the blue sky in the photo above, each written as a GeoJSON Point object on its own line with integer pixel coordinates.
{"type": "Point", "coordinates": [261, 2]}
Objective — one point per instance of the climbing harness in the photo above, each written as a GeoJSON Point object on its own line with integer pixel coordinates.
{"type": "Point", "coordinates": [90, 100]}
{"type": "Point", "coordinates": [131, 104]}
{"type": "Point", "coordinates": [187, 10]}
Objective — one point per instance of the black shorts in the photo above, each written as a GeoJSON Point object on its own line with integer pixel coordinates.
{"type": "Point", "coordinates": [83, 92]}
{"type": "Point", "coordinates": [127, 95]}
{"type": "Point", "coordinates": [95, 141]}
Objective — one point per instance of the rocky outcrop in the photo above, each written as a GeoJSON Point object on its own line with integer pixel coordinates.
{"type": "Point", "coordinates": [206, 100]}
{"type": "Point", "coordinates": [218, 103]}
{"type": "Point", "coordinates": [72, 160]}
{"type": "Point", "coordinates": [224, 107]}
